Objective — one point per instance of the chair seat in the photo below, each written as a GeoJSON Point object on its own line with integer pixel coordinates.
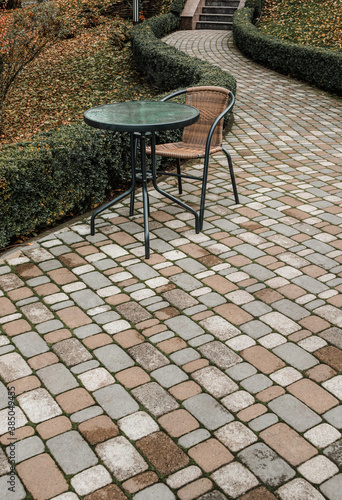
{"type": "Point", "coordinates": [182, 151]}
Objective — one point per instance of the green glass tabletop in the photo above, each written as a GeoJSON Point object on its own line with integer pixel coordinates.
{"type": "Point", "coordinates": [141, 116]}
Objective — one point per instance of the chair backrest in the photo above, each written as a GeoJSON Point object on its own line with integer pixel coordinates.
{"type": "Point", "coordinates": [210, 101]}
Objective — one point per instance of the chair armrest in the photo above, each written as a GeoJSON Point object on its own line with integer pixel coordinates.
{"type": "Point", "coordinates": [174, 94]}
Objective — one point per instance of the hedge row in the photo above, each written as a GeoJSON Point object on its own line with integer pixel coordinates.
{"type": "Point", "coordinates": [317, 66]}
{"type": "Point", "coordinates": [69, 170]}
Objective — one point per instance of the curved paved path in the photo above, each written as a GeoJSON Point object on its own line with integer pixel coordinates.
{"type": "Point", "coordinates": [212, 370]}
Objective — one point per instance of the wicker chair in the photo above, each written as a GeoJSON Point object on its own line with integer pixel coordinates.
{"type": "Point", "coordinates": [203, 138]}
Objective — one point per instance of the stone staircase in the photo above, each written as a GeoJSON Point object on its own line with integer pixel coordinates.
{"type": "Point", "coordinates": [217, 15]}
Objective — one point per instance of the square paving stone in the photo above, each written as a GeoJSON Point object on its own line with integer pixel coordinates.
{"type": "Point", "coordinates": [13, 366]}
{"type": "Point", "coordinates": [334, 417]}
{"type": "Point", "coordinates": [210, 455]}
{"type": "Point", "coordinates": [162, 453]}
{"type": "Point", "coordinates": [208, 411]}
{"type": "Point", "coordinates": [332, 488]}
{"type": "Point", "coordinates": [256, 383]}
{"type": "Point", "coordinates": [87, 299]}
{"type": "Point", "coordinates": [114, 358]}
{"type": "Point", "coordinates": [91, 479]}
{"type": "Point", "coordinates": [334, 452]}
{"type": "Point", "coordinates": [294, 412]}
{"type": "Point", "coordinates": [71, 452]}
{"type": "Point", "coordinates": [121, 458]}
{"type": "Point", "coordinates": [98, 429]}
{"type": "Point", "coordinates": [156, 491]}
{"type": "Point", "coordinates": [148, 356]}
{"type": "Point", "coordinates": [27, 448]}
{"type": "Point", "coordinates": [220, 354]}
{"type": "Point", "coordinates": [169, 376]}
{"type": "Point", "coordinates": [234, 479]}
{"type": "Point", "coordinates": [39, 405]}
{"type": "Point", "coordinates": [41, 477]}
{"type": "Point", "coordinates": [138, 425]}
{"type": "Point", "coordinates": [266, 464]}
{"type": "Point", "coordinates": [180, 299]}
{"type": "Point", "coordinates": [71, 351]}
{"type": "Point", "coordinates": [116, 401]}
{"type": "Point", "coordinates": [57, 378]}
{"type": "Point", "coordinates": [235, 436]}
{"type": "Point", "coordinates": [155, 399]}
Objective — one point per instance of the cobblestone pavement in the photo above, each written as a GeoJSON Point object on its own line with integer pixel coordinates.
{"type": "Point", "coordinates": [211, 370]}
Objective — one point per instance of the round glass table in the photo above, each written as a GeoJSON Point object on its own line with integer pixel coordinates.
{"type": "Point", "coordinates": [141, 118]}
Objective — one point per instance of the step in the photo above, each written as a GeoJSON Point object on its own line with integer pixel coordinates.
{"type": "Point", "coordinates": [222, 3]}
{"type": "Point", "coordinates": [213, 18]}
{"type": "Point", "coordinates": [205, 25]}
{"type": "Point", "coordinates": [218, 10]}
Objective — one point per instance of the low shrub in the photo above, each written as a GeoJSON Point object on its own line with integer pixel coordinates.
{"type": "Point", "coordinates": [317, 66]}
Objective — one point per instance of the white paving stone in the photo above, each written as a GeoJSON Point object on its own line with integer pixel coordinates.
{"type": "Point", "coordinates": [236, 436]}
{"type": "Point", "coordinates": [97, 378]}
{"type": "Point", "coordinates": [234, 479]}
{"type": "Point", "coordinates": [299, 489]}
{"type": "Point", "coordinates": [322, 435]}
{"type": "Point", "coordinates": [184, 476]}
{"type": "Point", "coordinates": [91, 479]}
{"type": "Point", "coordinates": [238, 401]}
{"type": "Point", "coordinates": [286, 376]}
{"type": "Point", "coordinates": [318, 469]}
{"type": "Point", "coordinates": [39, 405]}
{"type": "Point", "coordinates": [138, 425]}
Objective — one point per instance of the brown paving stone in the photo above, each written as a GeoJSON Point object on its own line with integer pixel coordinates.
{"type": "Point", "coordinates": [193, 490]}
{"type": "Point", "coordinates": [98, 429]}
{"type": "Point", "coordinates": [16, 327]}
{"type": "Point", "coordinates": [140, 482]}
{"type": "Point", "coordinates": [167, 313]}
{"type": "Point", "coordinates": [298, 336]}
{"type": "Point", "coordinates": [336, 300]}
{"type": "Point", "coordinates": [195, 365]}
{"type": "Point", "coordinates": [75, 400]}
{"type": "Point", "coordinates": [313, 395]}
{"type": "Point", "coordinates": [270, 393]}
{"type": "Point", "coordinates": [46, 289]}
{"type": "Point", "coordinates": [53, 427]}
{"type": "Point", "coordinates": [314, 324]}
{"type": "Point", "coordinates": [313, 271]}
{"type": "Point", "coordinates": [28, 270]}
{"type": "Point", "coordinates": [132, 377]}
{"type": "Point", "coordinates": [292, 291]}
{"type": "Point", "coordinates": [57, 336]}
{"type": "Point", "coordinates": [21, 433]}
{"type": "Point", "coordinates": [210, 260]}
{"type": "Point", "coordinates": [62, 276]}
{"type": "Point", "coordinates": [20, 294]}
{"type": "Point", "coordinates": [185, 390]}
{"type": "Point", "coordinates": [110, 492]}
{"type": "Point", "coordinates": [238, 260]}
{"type": "Point", "coordinates": [288, 443]}
{"type": "Point", "coordinates": [268, 295]}
{"type": "Point", "coordinates": [148, 332]}
{"type": "Point", "coordinates": [97, 340]}
{"type": "Point", "coordinates": [148, 324]}
{"type": "Point", "coordinates": [128, 338]}
{"type": "Point", "coordinates": [233, 313]}
{"type": "Point", "coordinates": [6, 307]}
{"type": "Point", "coordinates": [170, 270]}
{"type": "Point", "coordinates": [195, 251]}
{"type": "Point", "coordinates": [87, 250]}
{"type": "Point", "coordinates": [251, 412]}
{"type": "Point", "coordinates": [259, 494]}
{"type": "Point", "coordinates": [41, 477]}
{"type": "Point", "coordinates": [320, 373]}
{"type": "Point", "coordinates": [42, 360]}
{"type": "Point", "coordinates": [210, 455]}
{"type": "Point", "coordinates": [262, 359]}
{"type": "Point", "coordinates": [72, 260]}
{"type": "Point", "coordinates": [219, 283]}
{"type": "Point", "coordinates": [330, 355]}
{"type": "Point", "coordinates": [172, 345]}
{"type": "Point", "coordinates": [25, 384]}
{"type": "Point", "coordinates": [74, 317]}
{"type": "Point", "coordinates": [178, 422]}
{"type": "Point", "coordinates": [162, 453]}
{"type": "Point", "coordinates": [119, 298]}
{"type": "Point", "coordinates": [202, 315]}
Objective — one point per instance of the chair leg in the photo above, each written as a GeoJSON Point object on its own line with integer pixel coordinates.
{"type": "Point", "coordinates": [204, 190]}
{"type": "Point", "coordinates": [180, 189]}
{"type": "Point", "coordinates": [232, 176]}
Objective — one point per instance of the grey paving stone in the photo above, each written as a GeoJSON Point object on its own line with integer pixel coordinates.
{"type": "Point", "coordinates": [27, 448]}
{"type": "Point", "coordinates": [294, 412]}
{"type": "Point", "coordinates": [310, 284]}
{"type": "Point", "coordinates": [105, 264]}
{"type": "Point", "coordinates": [49, 326]}
{"type": "Point", "coordinates": [19, 492]}
{"type": "Point", "coordinates": [184, 327]}
{"type": "Point", "coordinates": [30, 344]}
{"type": "Point", "coordinates": [212, 495]}
{"type": "Point", "coordinates": [83, 332]}
{"type": "Point", "coordinates": [113, 358]}
{"type": "Point", "coordinates": [186, 282]}
{"type": "Point", "coordinates": [295, 356]}
{"type": "Point", "coordinates": [256, 383]}
{"type": "Point", "coordinates": [85, 366]}
{"type": "Point", "coordinates": [334, 417]}
{"type": "Point", "coordinates": [96, 280]}
{"type": "Point", "coordinates": [57, 378]}
{"type": "Point", "coordinates": [241, 371]}
{"type": "Point", "coordinates": [106, 317]}
{"type": "Point", "coordinates": [334, 452]}
{"type": "Point", "coordinates": [158, 491]}
{"type": "Point", "coordinates": [148, 356]}
{"type": "Point", "coordinates": [249, 251]}
{"type": "Point", "coordinates": [212, 299]}
{"type": "Point", "coordinates": [3, 397]}
{"type": "Point", "coordinates": [184, 356]}
{"type": "Point", "coordinates": [266, 465]}
{"type": "Point", "coordinates": [72, 452]}
{"type": "Point", "coordinates": [116, 401]}
{"type": "Point", "coordinates": [143, 271]}
{"type": "Point", "coordinates": [257, 308]}
{"type": "Point", "coordinates": [194, 437]}
{"type": "Point", "coordinates": [220, 354]}
{"type": "Point", "coordinates": [4, 464]}
{"type": "Point", "coordinates": [208, 411]}
{"type": "Point", "coordinates": [256, 329]}
{"type": "Point", "coordinates": [332, 488]}
{"type": "Point", "coordinates": [333, 336]}
{"type": "Point", "coordinates": [190, 265]}
{"type": "Point", "coordinates": [259, 272]}
{"type": "Point", "coordinates": [86, 414]}
{"type": "Point", "coordinates": [6, 349]}
{"type": "Point", "coordinates": [260, 423]}
{"type": "Point", "coordinates": [321, 261]}
{"type": "Point", "coordinates": [202, 339]}
{"type": "Point", "coordinates": [71, 351]}
{"type": "Point", "coordinates": [69, 237]}
{"type": "Point", "coordinates": [41, 280]}
{"type": "Point", "coordinates": [169, 375]}
{"type": "Point", "coordinates": [155, 399]}
{"type": "Point", "coordinates": [87, 299]}
{"type": "Point", "coordinates": [62, 305]}
{"type": "Point", "coordinates": [59, 250]}
{"type": "Point", "coordinates": [291, 309]}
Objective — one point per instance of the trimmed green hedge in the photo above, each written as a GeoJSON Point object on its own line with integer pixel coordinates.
{"type": "Point", "coordinates": [67, 171]}
{"type": "Point", "coordinates": [317, 66]}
